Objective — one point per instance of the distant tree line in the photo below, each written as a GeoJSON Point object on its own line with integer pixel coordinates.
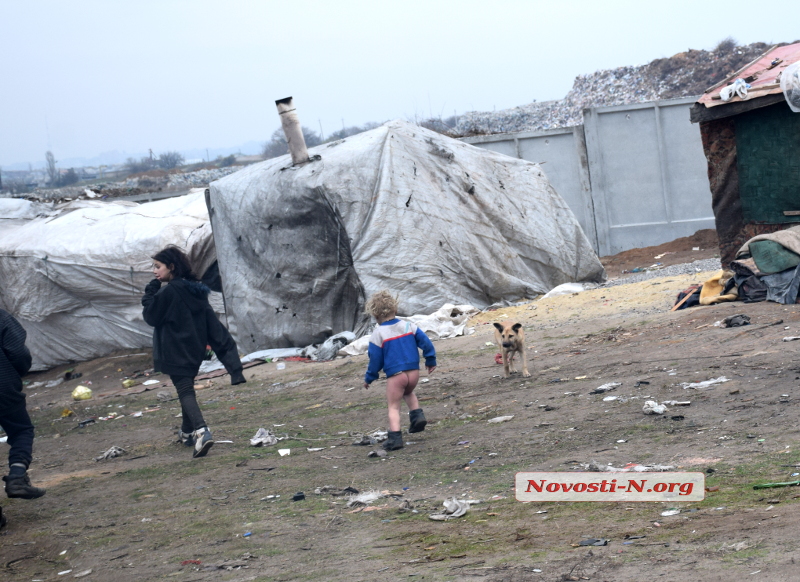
{"type": "Point", "coordinates": [165, 161]}
{"type": "Point", "coordinates": [55, 178]}
{"type": "Point", "coordinates": [277, 146]}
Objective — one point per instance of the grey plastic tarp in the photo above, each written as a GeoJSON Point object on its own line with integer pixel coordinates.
{"type": "Point", "coordinates": [74, 279]}
{"type": "Point", "coordinates": [430, 218]}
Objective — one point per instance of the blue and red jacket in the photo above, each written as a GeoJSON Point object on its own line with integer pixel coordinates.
{"type": "Point", "coordinates": [393, 347]}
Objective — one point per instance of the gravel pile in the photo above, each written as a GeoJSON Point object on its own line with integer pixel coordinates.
{"type": "Point", "coordinates": [671, 271]}
{"type": "Point", "coordinates": [682, 75]}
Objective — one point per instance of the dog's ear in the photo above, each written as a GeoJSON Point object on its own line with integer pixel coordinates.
{"type": "Point", "coordinates": [516, 326]}
{"type": "Point", "coordinates": [498, 326]}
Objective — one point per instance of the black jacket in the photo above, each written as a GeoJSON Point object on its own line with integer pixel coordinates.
{"type": "Point", "coordinates": [15, 361]}
{"type": "Point", "coordinates": [184, 324]}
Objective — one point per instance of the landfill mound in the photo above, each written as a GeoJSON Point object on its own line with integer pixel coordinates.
{"type": "Point", "coordinates": [681, 75]}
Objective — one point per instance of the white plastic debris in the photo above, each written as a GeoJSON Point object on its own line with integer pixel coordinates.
{"type": "Point", "coordinates": [791, 338]}
{"type": "Point", "coordinates": [114, 451]}
{"type": "Point", "coordinates": [676, 402]}
{"type": "Point", "coordinates": [565, 289]}
{"type": "Point", "coordinates": [705, 384]}
{"type": "Point", "coordinates": [151, 382]}
{"type": "Point", "coordinates": [263, 438]}
{"type": "Point", "coordinates": [669, 512]}
{"type": "Point", "coordinates": [315, 449]}
{"type": "Point", "coordinates": [652, 407]}
{"type": "Point", "coordinates": [364, 498]}
{"type": "Point", "coordinates": [610, 398]}
{"type": "Point", "coordinates": [606, 387]}
{"type": "Point", "coordinates": [452, 508]}
{"type": "Point", "coordinates": [500, 419]}
{"type": "Point", "coordinates": [284, 452]}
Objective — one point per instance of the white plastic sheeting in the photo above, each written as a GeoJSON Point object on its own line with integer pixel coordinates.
{"type": "Point", "coordinates": [399, 207]}
{"type": "Point", "coordinates": [75, 280]}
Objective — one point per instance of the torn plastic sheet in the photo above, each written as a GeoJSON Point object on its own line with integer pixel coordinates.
{"type": "Point", "coordinates": [400, 207]}
{"type": "Point", "coordinates": [74, 277]}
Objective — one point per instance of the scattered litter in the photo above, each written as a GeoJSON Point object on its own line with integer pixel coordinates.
{"type": "Point", "coordinates": [581, 377]}
{"type": "Point", "coordinates": [82, 574]}
{"type": "Point", "coordinates": [151, 382]}
{"type": "Point", "coordinates": [670, 512]}
{"type": "Point", "coordinates": [379, 453]}
{"type": "Point", "coordinates": [651, 407]}
{"type": "Point", "coordinates": [640, 383]}
{"type": "Point", "coordinates": [284, 452]}
{"type": "Point", "coordinates": [66, 413]}
{"type": "Point", "coordinates": [452, 508]}
{"type": "Point", "coordinates": [64, 572]}
{"type": "Point", "coordinates": [773, 485]}
{"type": "Point", "coordinates": [791, 338]}
{"type": "Point", "coordinates": [610, 398]}
{"type": "Point", "coordinates": [425, 380]}
{"type": "Point", "coordinates": [263, 438]}
{"type": "Point", "coordinates": [592, 542]}
{"type": "Point", "coordinates": [703, 385]}
{"type": "Point", "coordinates": [565, 289]}
{"type": "Point", "coordinates": [111, 453]}
{"type": "Point", "coordinates": [629, 468]}
{"type": "Point", "coordinates": [162, 395]}
{"type": "Point", "coordinates": [315, 449]}
{"type": "Point", "coordinates": [81, 392]}
{"type": "Point", "coordinates": [187, 562]}
{"type": "Point", "coordinates": [370, 439]}
{"type": "Point", "coordinates": [676, 402]}
{"type": "Point", "coordinates": [500, 419]}
{"type": "Point", "coordinates": [247, 534]}
{"type": "Point", "coordinates": [462, 443]}
{"type": "Point", "coordinates": [129, 383]}
{"type": "Point", "coordinates": [736, 320]}
{"type": "Point", "coordinates": [362, 499]}
{"type": "Point", "coordinates": [299, 496]}
{"type": "Point", "coordinates": [606, 387]}
{"type": "Point", "coordinates": [622, 441]}
{"type": "Point", "coordinates": [54, 383]}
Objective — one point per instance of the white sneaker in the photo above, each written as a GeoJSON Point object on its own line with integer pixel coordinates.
{"type": "Point", "coordinates": [202, 442]}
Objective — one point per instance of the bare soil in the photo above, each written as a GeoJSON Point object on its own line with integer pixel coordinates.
{"type": "Point", "coordinates": [157, 514]}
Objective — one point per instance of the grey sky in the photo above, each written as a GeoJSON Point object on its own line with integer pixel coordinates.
{"type": "Point", "coordinates": [83, 77]}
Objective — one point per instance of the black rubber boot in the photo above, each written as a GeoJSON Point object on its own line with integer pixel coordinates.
{"type": "Point", "coordinates": [20, 486]}
{"type": "Point", "coordinates": [394, 442]}
{"type": "Point", "coordinates": [418, 421]}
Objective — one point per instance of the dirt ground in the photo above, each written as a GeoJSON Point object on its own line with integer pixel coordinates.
{"type": "Point", "coordinates": [156, 514]}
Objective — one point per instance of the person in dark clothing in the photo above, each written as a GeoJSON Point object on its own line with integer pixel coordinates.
{"type": "Point", "coordinates": [15, 361]}
{"type": "Point", "coordinates": [184, 325]}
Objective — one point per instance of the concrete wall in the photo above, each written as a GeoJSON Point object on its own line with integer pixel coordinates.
{"type": "Point", "coordinates": [634, 175]}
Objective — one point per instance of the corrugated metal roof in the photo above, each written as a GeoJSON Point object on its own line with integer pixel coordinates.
{"type": "Point", "coordinates": [764, 73]}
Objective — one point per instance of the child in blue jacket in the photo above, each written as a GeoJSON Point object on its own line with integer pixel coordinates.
{"type": "Point", "coordinates": [393, 348]}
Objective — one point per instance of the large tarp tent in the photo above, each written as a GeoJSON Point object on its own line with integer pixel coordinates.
{"type": "Point", "coordinates": [432, 219]}
{"type": "Point", "coordinates": [74, 278]}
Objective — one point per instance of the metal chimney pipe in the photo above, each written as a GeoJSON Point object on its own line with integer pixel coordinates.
{"type": "Point", "coordinates": [292, 130]}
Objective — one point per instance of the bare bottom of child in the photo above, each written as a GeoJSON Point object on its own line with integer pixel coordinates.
{"type": "Point", "coordinates": [398, 388]}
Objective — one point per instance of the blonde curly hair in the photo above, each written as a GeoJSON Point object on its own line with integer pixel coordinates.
{"type": "Point", "coordinates": [382, 305]}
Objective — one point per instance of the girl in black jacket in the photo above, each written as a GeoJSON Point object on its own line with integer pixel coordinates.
{"type": "Point", "coordinates": [184, 325]}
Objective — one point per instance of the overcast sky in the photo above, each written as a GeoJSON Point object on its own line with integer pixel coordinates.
{"type": "Point", "coordinates": [82, 77]}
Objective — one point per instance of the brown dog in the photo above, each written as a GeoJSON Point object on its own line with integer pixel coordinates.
{"type": "Point", "coordinates": [510, 338]}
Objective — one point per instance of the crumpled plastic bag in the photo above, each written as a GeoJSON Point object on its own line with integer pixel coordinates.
{"type": "Point", "coordinates": [330, 348]}
{"type": "Point", "coordinates": [81, 392]}
{"type": "Point", "coordinates": [790, 85]}
{"type": "Point", "coordinates": [114, 451]}
{"type": "Point", "coordinates": [452, 508]}
{"type": "Point", "coordinates": [367, 440]}
{"type": "Point", "coordinates": [652, 407]}
{"type": "Point", "coordinates": [738, 87]}
{"type": "Point", "coordinates": [263, 438]}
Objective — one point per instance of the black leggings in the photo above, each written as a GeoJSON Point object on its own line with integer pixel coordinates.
{"type": "Point", "coordinates": [19, 429]}
{"type": "Point", "coordinates": [192, 418]}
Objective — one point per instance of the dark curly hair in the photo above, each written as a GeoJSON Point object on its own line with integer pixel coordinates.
{"type": "Point", "coordinates": [177, 262]}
